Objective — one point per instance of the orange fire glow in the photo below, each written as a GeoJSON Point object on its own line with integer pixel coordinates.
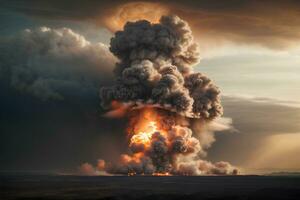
{"type": "Point", "coordinates": [161, 174]}
{"type": "Point", "coordinates": [144, 137]}
{"type": "Point", "coordinates": [144, 123]}
{"type": "Point", "coordinates": [118, 110]}
{"type": "Point", "coordinates": [144, 126]}
{"type": "Point", "coordinates": [134, 158]}
{"type": "Point", "coordinates": [134, 11]}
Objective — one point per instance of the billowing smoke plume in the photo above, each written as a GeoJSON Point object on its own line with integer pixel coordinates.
{"type": "Point", "coordinates": [163, 98]}
{"type": "Point", "coordinates": [155, 68]}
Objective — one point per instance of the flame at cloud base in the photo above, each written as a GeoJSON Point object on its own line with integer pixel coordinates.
{"type": "Point", "coordinates": [160, 143]}
{"type": "Point", "coordinates": [162, 97]}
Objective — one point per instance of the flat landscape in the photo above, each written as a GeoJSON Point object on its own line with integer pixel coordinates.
{"type": "Point", "coordinates": [147, 187]}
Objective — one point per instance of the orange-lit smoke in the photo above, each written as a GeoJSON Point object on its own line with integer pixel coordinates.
{"type": "Point", "coordinates": [134, 11]}
{"type": "Point", "coordinates": [118, 110]}
{"type": "Point", "coordinates": [158, 92]}
{"type": "Point", "coordinates": [160, 144]}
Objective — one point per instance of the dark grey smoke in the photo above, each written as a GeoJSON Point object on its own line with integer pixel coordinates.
{"type": "Point", "coordinates": [155, 68]}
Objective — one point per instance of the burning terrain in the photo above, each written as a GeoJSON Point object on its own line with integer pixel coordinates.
{"type": "Point", "coordinates": [168, 106]}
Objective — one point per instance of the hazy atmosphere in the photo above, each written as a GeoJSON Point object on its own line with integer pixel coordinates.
{"type": "Point", "coordinates": [58, 74]}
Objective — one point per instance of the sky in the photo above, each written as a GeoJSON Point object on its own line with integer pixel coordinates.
{"type": "Point", "coordinates": [55, 56]}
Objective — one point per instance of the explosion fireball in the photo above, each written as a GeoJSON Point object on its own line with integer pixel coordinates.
{"type": "Point", "coordinates": [163, 99]}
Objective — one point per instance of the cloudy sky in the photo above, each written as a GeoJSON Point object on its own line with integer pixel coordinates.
{"type": "Point", "coordinates": [54, 56]}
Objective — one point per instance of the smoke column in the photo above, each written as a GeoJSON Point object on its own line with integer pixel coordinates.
{"type": "Point", "coordinates": [164, 100]}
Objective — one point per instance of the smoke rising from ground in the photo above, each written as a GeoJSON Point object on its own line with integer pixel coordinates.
{"type": "Point", "coordinates": [164, 100]}
{"type": "Point", "coordinates": [171, 148]}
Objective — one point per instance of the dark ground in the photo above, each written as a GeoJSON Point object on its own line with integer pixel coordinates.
{"type": "Point", "coordinates": [39, 187]}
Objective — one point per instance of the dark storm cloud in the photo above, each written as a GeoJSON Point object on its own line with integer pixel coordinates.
{"type": "Point", "coordinates": [54, 135]}
{"type": "Point", "coordinates": [67, 9]}
{"type": "Point", "coordinates": [50, 63]}
{"type": "Point", "coordinates": [273, 24]}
